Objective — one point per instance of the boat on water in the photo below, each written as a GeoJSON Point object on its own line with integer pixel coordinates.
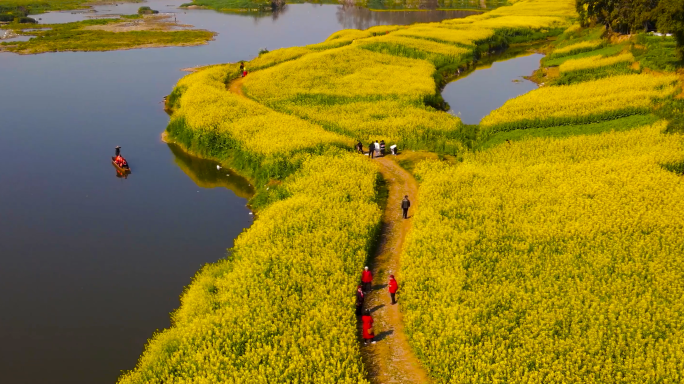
{"type": "Point", "coordinates": [125, 169]}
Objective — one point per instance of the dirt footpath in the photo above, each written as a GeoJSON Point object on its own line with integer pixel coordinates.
{"type": "Point", "coordinates": [391, 359]}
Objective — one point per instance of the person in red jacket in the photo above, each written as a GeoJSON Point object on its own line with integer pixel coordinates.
{"type": "Point", "coordinates": [368, 332]}
{"type": "Point", "coordinates": [359, 300]}
{"type": "Point", "coordinates": [366, 279]}
{"type": "Point", "coordinates": [393, 286]}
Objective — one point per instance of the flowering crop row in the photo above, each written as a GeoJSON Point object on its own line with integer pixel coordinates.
{"type": "Point", "coordinates": [576, 48]}
{"type": "Point", "coordinates": [595, 62]}
{"type": "Point", "coordinates": [211, 120]}
{"type": "Point", "coordinates": [551, 261]}
{"type": "Point", "coordinates": [279, 309]}
{"type": "Point", "coordinates": [580, 103]}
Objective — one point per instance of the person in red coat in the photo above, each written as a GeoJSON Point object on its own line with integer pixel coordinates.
{"type": "Point", "coordinates": [359, 300]}
{"type": "Point", "coordinates": [366, 279]}
{"type": "Point", "coordinates": [368, 332]}
{"type": "Point", "coordinates": [393, 287]}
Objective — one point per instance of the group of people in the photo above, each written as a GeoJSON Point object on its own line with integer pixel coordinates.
{"type": "Point", "coordinates": [366, 286]}
{"type": "Point", "coordinates": [243, 69]}
{"type": "Point", "coordinates": [375, 148]}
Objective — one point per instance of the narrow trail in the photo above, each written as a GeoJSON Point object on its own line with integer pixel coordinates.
{"type": "Point", "coordinates": [235, 86]}
{"type": "Point", "coordinates": [391, 359]}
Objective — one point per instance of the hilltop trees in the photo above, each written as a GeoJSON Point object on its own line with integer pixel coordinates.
{"type": "Point", "coordinates": [671, 20]}
{"type": "Point", "coordinates": [629, 16]}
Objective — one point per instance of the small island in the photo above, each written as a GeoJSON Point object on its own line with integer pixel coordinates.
{"type": "Point", "coordinates": [146, 29]}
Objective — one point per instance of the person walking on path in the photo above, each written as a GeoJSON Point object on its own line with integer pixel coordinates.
{"type": "Point", "coordinates": [371, 149]}
{"type": "Point", "coordinates": [393, 287]}
{"type": "Point", "coordinates": [368, 332]}
{"type": "Point", "coordinates": [367, 279]}
{"type": "Point", "coordinates": [382, 148]}
{"type": "Point", "coordinates": [405, 204]}
{"type": "Point", "coordinates": [377, 149]}
{"type": "Point", "coordinates": [359, 147]}
{"type": "Point", "coordinates": [359, 300]}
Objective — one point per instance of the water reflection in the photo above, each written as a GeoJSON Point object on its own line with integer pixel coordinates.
{"type": "Point", "coordinates": [426, 4]}
{"type": "Point", "coordinates": [492, 84]}
{"type": "Point", "coordinates": [362, 18]}
{"type": "Point", "coordinates": [205, 174]}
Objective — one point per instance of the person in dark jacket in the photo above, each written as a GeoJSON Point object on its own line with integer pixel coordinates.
{"type": "Point", "coordinates": [359, 148]}
{"type": "Point", "coordinates": [382, 148]}
{"type": "Point", "coordinates": [405, 204]}
{"type": "Point", "coordinates": [359, 300]}
{"type": "Point", "coordinates": [393, 287]}
{"type": "Point", "coordinates": [368, 331]}
{"type": "Point", "coordinates": [367, 279]}
{"type": "Point", "coordinates": [371, 149]}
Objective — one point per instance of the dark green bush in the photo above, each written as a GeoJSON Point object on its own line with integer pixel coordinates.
{"type": "Point", "coordinates": [25, 20]}
{"type": "Point", "coordinates": [146, 11]}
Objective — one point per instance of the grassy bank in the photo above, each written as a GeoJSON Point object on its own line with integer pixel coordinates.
{"type": "Point", "coordinates": [129, 32]}
{"type": "Point", "coordinates": [12, 9]}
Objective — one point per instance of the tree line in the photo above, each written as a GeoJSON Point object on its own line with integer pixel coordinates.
{"type": "Point", "coordinates": [631, 16]}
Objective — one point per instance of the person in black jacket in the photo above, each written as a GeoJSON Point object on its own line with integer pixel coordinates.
{"type": "Point", "coordinates": [371, 149]}
{"type": "Point", "coordinates": [359, 300]}
{"type": "Point", "coordinates": [405, 204]}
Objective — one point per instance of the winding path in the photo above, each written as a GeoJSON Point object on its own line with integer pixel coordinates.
{"type": "Point", "coordinates": [391, 359]}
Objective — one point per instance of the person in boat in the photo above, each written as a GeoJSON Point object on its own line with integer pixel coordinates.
{"type": "Point", "coordinates": [119, 160]}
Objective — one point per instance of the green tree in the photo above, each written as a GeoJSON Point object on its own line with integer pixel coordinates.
{"type": "Point", "coordinates": [671, 20]}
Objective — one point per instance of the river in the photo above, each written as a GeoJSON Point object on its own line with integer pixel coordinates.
{"type": "Point", "coordinates": [91, 264]}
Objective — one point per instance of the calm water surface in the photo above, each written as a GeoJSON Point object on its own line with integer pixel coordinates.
{"type": "Point", "coordinates": [92, 264]}
{"type": "Point", "coordinates": [474, 96]}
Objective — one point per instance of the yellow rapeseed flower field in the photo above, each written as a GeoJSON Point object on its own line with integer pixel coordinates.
{"type": "Point", "coordinates": [580, 103]}
{"type": "Point", "coordinates": [577, 48]}
{"type": "Point", "coordinates": [276, 57]}
{"type": "Point", "coordinates": [594, 62]}
{"type": "Point", "coordinates": [279, 308]}
{"type": "Point", "coordinates": [419, 44]}
{"type": "Point", "coordinates": [207, 106]}
{"type": "Point", "coordinates": [551, 260]}
{"type": "Point", "coordinates": [346, 72]}
{"type": "Point", "coordinates": [470, 35]}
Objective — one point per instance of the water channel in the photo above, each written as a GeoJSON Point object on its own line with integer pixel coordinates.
{"type": "Point", "coordinates": [91, 264]}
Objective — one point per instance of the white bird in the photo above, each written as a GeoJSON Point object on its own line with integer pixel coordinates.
{"type": "Point", "coordinates": [218, 167]}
